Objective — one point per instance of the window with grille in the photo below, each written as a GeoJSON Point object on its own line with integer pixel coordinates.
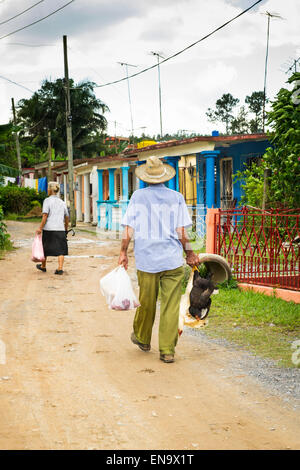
{"type": "Point", "coordinates": [130, 184]}
{"type": "Point", "coordinates": [250, 161]}
{"type": "Point", "coordinates": [118, 186]}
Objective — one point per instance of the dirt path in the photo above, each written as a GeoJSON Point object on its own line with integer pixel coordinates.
{"type": "Point", "coordinates": [73, 379]}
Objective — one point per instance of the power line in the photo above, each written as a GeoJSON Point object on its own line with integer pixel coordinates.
{"type": "Point", "coordinates": [22, 12]}
{"type": "Point", "coordinates": [78, 52]}
{"type": "Point", "coordinates": [28, 45]}
{"type": "Point", "coordinates": [15, 83]}
{"type": "Point", "coordinates": [182, 50]}
{"type": "Point", "coordinates": [38, 21]}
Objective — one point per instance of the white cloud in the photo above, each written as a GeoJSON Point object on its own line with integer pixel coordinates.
{"type": "Point", "coordinates": [102, 32]}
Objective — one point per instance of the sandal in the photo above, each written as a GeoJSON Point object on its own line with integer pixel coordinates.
{"type": "Point", "coordinates": [58, 271]}
{"type": "Point", "coordinates": [142, 346]}
{"type": "Point", "coordinates": [168, 358]}
{"type": "Point", "coordinates": [39, 266]}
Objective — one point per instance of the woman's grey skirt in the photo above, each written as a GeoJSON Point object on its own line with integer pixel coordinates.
{"type": "Point", "coordinates": [55, 243]}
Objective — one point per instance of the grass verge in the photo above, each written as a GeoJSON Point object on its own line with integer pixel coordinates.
{"type": "Point", "coordinates": [266, 326]}
{"type": "Point", "coordinates": [21, 218]}
{"type": "Point", "coordinates": [8, 246]}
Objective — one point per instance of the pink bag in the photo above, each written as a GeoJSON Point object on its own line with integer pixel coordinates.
{"type": "Point", "coordinates": [37, 249]}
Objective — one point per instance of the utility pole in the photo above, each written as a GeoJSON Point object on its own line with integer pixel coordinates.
{"type": "Point", "coordinates": [116, 136]}
{"type": "Point", "coordinates": [17, 141]}
{"type": "Point", "coordinates": [129, 97]}
{"type": "Point", "coordinates": [69, 136]}
{"type": "Point", "coordinates": [49, 157]}
{"type": "Point", "coordinates": [159, 88]}
{"type": "Point", "coordinates": [269, 16]}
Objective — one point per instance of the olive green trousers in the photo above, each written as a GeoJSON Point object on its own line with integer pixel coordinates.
{"type": "Point", "coordinates": [170, 285]}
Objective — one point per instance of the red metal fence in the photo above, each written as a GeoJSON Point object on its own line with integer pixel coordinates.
{"type": "Point", "coordinates": [262, 247]}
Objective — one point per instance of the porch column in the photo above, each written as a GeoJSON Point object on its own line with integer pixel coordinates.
{"type": "Point", "coordinates": [94, 195]}
{"type": "Point", "coordinates": [210, 156]}
{"type": "Point", "coordinates": [174, 182]}
{"type": "Point", "coordinates": [100, 194]}
{"type": "Point", "coordinates": [142, 184]}
{"type": "Point", "coordinates": [125, 189]}
{"type": "Point", "coordinates": [111, 181]}
{"type": "Point", "coordinates": [78, 200]}
{"type": "Point", "coordinates": [87, 205]}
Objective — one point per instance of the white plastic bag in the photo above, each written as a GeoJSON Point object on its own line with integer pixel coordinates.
{"type": "Point", "coordinates": [37, 253]}
{"type": "Point", "coordinates": [117, 289]}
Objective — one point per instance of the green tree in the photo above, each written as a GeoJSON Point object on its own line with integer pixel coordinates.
{"type": "Point", "coordinates": [239, 124]}
{"type": "Point", "coordinates": [282, 159]}
{"type": "Point", "coordinates": [7, 146]}
{"type": "Point", "coordinates": [45, 111]}
{"type": "Point", "coordinates": [30, 153]}
{"type": "Point", "coordinates": [223, 111]}
{"type": "Point", "coordinates": [255, 103]}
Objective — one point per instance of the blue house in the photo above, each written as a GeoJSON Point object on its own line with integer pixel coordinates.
{"type": "Point", "coordinates": [205, 167]}
{"type": "Point", "coordinates": [215, 170]}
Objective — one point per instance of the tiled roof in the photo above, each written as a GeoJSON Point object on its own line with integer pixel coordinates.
{"type": "Point", "coordinates": [80, 161]}
{"type": "Point", "coordinates": [217, 139]}
{"type": "Point", "coordinates": [130, 154]}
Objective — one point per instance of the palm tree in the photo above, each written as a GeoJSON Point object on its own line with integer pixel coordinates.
{"type": "Point", "coordinates": [45, 111]}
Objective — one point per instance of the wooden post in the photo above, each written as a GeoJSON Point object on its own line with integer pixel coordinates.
{"type": "Point", "coordinates": [17, 141]}
{"type": "Point", "coordinates": [69, 135]}
{"type": "Point", "coordinates": [49, 157]}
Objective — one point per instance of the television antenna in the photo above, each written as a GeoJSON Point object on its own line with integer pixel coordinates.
{"type": "Point", "coordinates": [269, 16]}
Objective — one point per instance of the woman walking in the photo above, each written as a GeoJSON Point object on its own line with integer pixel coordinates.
{"type": "Point", "coordinates": [54, 225]}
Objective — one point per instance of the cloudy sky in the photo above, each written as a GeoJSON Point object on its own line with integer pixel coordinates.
{"type": "Point", "coordinates": [102, 33]}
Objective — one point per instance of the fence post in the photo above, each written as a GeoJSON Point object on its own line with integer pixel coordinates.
{"type": "Point", "coordinates": [211, 229]}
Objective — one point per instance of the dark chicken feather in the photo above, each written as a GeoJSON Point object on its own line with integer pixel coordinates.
{"type": "Point", "coordinates": [200, 296]}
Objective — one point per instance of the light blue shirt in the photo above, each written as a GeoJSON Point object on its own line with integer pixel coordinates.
{"type": "Point", "coordinates": [155, 213]}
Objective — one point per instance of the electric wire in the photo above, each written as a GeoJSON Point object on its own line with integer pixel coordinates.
{"type": "Point", "coordinates": [28, 45]}
{"type": "Point", "coordinates": [182, 50]}
{"type": "Point", "coordinates": [15, 83]}
{"type": "Point", "coordinates": [76, 51]}
{"type": "Point", "coordinates": [38, 21]}
{"type": "Point", "coordinates": [22, 12]}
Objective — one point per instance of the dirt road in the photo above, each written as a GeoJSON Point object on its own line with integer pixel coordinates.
{"type": "Point", "coordinates": [73, 379]}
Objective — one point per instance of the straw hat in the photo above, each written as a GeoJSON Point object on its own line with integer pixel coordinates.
{"type": "Point", "coordinates": [155, 171]}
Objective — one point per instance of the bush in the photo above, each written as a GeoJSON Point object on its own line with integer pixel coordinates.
{"type": "Point", "coordinates": [14, 199]}
{"type": "Point", "coordinates": [4, 236]}
{"type": "Point", "coordinates": [35, 204]}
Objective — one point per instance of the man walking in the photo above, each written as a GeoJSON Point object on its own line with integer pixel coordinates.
{"type": "Point", "coordinates": [157, 217]}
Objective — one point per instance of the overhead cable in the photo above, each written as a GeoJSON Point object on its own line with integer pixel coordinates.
{"type": "Point", "coordinates": [15, 83]}
{"type": "Point", "coordinates": [38, 21]}
{"type": "Point", "coordinates": [27, 45]}
{"type": "Point", "coordinates": [182, 50]}
{"type": "Point", "coordinates": [22, 12]}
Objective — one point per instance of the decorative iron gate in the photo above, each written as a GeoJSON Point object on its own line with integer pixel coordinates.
{"type": "Point", "coordinates": [262, 247]}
